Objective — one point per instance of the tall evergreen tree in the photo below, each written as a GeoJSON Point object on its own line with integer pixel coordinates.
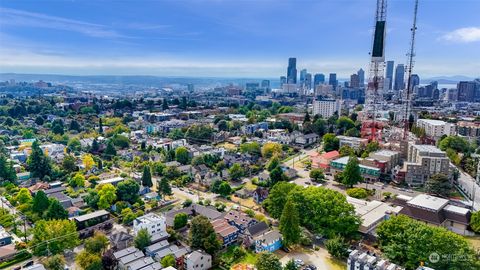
{"type": "Point", "coordinates": [95, 146]}
{"type": "Point", "coordinates": [6, 170]}
{"type": "Point", "coordinates": [56, 211]}
{"type": "Point", "coordinates": [165, 104]}
{"type": "Point", "coordinates": [290, 223]}
{"type": "Point", "coordinates": [100, 126]}
{"type": "Point", "coordinates": [351, 175]}
{"type": "Point", "coordinates": [165, 188]}
{"type": "Point", "coordinates": [38, 164]}
{"type": "Point", "coordinates": [40, 202]}
{"type": "Point", "coordinates": [110, 151]}
{"type": "Point", "coordinates": [147, 176]}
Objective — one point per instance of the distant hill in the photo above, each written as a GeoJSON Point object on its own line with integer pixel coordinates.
{"type": "Point", "coordinates": [447, 79]}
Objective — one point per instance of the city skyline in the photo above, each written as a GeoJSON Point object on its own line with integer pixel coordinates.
{"type": "Point", "coordinates": [219, 38]}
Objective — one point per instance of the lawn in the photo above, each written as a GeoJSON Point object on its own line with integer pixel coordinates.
{"type": "Point", "coordinates": [235, 255]}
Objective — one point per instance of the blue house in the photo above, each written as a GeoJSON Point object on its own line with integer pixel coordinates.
{"type": "Point", "coordinates": [227, 233]}
{"type": "Point", "coordinates": [269, 241]}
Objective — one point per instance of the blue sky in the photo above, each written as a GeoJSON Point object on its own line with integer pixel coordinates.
{"type": "Point", "coordinates": [238, 38]}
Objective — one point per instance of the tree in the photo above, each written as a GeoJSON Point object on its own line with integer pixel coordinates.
{"type": "Point", "coordinates": [439, 185]}
{"type": "Point", "coordinates": [89, 261]}
{"type": "Point", "coordinates": [181, 155]}
{"type": "Point", "coordinates": [38, 164]}
{"type": "Point", "coordinates": [475, 222]}
{"type": "Point", "coordinates": [128, 215]}
{"type": "Point", "coordinates": [147, 176]}
{"type": "Point", "coordinates": [273, 163]}
{"type": "Point", "coordinates": [100, 125]}
{"type": "Point", "coordinates": [317, 175]}
{"type": "Point", "coordinates": [78, 180]}
{"type": "Point", "coordinates": [121, 141]}
{"type": "Point", "coordinates": [97, 244]}
{"type": "Point", "coordinates": [408, 242]}
{"type": "Point", "coordinates": [268, 261]}
{"type": "Point", "coordinates": [165, 104]}
{"type": "Point", "coordinates": [222, 125]}
{"type": "Point", "coordinates": [277, 175]}
{"type": "Point", "coordinates": [74, 145]}
{"type": "Point", "coordinates": [23, 196]}
{"type": "Point", "coordinates": [95, 146]}
{"type": "Point", "coordinates": [60, 234]}
{"type": "Point", "coordinates": [107, 195]}
{"type": "Point", "coordinates": [39, 120]}
{"type": "Point", "coordinates": [56, 262]}
{"type": "Point", "coordinates": [346, 151]}
{"type": "Point", "coordinates": [290, 224]}
{"type": "Point", "coordinates": [110, 150]}
{"type": "Point", "coordinates": [200, 133]}
{"type": "Point", "coordinates": [337, 247]}
{"type": "Point", "coordinates": [290, 265]}
{"type": "Point", "coordinates": [359, 193]}
{"type": "Point", "coordinates": [142, 240]}
{"type": "Point", "coordinates": [56, 211]}
{"type": "Point", "coordinates": [74, 125]}
{"type": "Point", "coordinates": [202, 235]}
{"type": "Point", "coordinates": [168, 260]}
{"type": "Point", "coordinates": [6, 170]}
{"type": "Point", "coordinates": [224, 189]}
{"type": "Point", "coordinates": [40, 202]}
{"type": "Point", "coordinates": [69, 163]}
{"type": "Point", "coordinates": [330, 142]}
{"type": "Point", "coordinates": [165, 188]}
{"type": "Point", "coordinates": [176, 134]}
{"type": "Point", "coordinates": [278, 197]}
{"type": "Point", "coordinates": [88, 161]}
{"type": "Point", "coordinates": [128, 191]}
{"type": "Point", "coordinates": [351, 175]}
{"type": "Point", "coordinates": [236, 172]}
{"type": "Point", "coordinates": [344, 123]}
{"type": "Point", "coordinates": [270, 149]}
{"type": "Point", "coordinates": [180, 221]}
{"type": "Point", "coordinates": [456, 143]}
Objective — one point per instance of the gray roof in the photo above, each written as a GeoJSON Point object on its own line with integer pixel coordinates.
{"type": "Point", "coordinates": [153, 266]}
{"type": "Point", "coordinates": [157, 246]}
{"type": "Point", "coordinates": [124, 252]}
{"type": "Point", "coordinates": [131, 257]}
{"type": "Point", "coordinates": [195, 255]}
{"type": "Point", "coordinates": [140, 263]}
{"type": "Point", "coordinates": [95, 214]}
{"type": "Point", "coordinates": [258, 228]}
{"type": "Point", "coordinates": [269, 236]}
{"type": "Point", "coordinates": [159, 236]}
{"type": "Point", "coordinates": [428, 202]}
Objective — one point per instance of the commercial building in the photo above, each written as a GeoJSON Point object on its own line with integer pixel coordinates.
{"type": "Point", "coordinates": [292, 71]}
{"type": "Point", "coordinates": [399, 78]}
{"type": "Point", "coordinates": [152, 222]}
{"type": "Point", "coordinates": [436, 128]}
{"type": "Point", "coordinates": [318, 79]}
{"type": "Point", "coordinates": [361, 77]}
{"type": "Point", "coordinates": [466, 91]}
{"type": "Point", "coordinates": [389, 74]}
{"type": "Point", "coordinates": [372, 213]}
{"type": "Point", "coordinates": [332, 80]}
{"type": "Point", "coordinates": [353, 142]}
{"type": "Point", "coordinates": [354, 81]}
{"type": "Point", "coordinates": [322, 161]}
{"type": "Point", "coordinates": [391, 158]}
{"type": "Point", "coordinates": [368, 173]}
{"type": "Point", "coordinates": [436, 211]}
{"type": "Point", "coordinates": [471, 130]}
{"type": "Point", "coordinates": [423, 161]}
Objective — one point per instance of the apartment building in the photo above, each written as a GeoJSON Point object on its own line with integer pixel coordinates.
{"type": "Point", "coordinates": [152, 222]}
{"type": "Point", "coordinates": [326, 107]}
{"type": "Point", "coordinates": [423, 161]}
{"type": "Point", "coordinates": [436, 128]}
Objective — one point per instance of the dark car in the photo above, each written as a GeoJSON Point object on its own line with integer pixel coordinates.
{"type": "Point", "coordinates": [27, 264]}
{"type": "Point", "coordinates": [286, 249]}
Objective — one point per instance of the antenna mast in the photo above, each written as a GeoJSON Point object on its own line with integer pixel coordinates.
{"type": "Point", "coordinates": [409, 89]}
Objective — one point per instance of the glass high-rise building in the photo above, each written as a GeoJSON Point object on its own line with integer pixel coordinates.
{"type": "Point", "coordinates": [361, 78]}
{"type": "Point", "coordinates": [292, 70]}
{"type": "Point", "coordinates": [318, 79]}
{"type": "Point", "coordinates": [399, 78]}
{"type": "Point", "coordinates": [332, 80]}
{"type": "Point", "coordinates": [389, 74]}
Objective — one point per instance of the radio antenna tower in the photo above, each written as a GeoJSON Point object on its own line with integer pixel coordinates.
{"type": "Point", "coordinates": [377, 65]}
{"type": "Point", "coordinates": [410, 55]}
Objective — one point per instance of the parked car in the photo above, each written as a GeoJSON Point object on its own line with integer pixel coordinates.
{"type": "Point", "coordinates": [27, 264]}
{"type": "Point", "coordinates": [298, 262]}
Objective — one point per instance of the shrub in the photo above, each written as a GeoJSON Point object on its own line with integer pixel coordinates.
{"type": "Point", "coordinates": [359, 193]}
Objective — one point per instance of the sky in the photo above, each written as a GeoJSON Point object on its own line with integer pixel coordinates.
{"type": "Point", "coordinates": [231, 38]}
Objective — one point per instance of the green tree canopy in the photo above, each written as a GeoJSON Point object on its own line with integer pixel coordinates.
{"type": "Point", "coordinates": [439, 185]}
{"type": "Point", "coordinates": [147, 176]}
{"type": "Point", "coordinates": [180, 220]}
{"type": "Point", "coordinates": [60, 234]}
{"type": "Point", "coordinates": [143, 239]}
{"type": "Point", "coordinates": [107, 195]}
{"type": "Point", "coordinates": [337, 247]}
{"type": "Point", "coordinates": [268, 261]}
{"type": "Point", "coordinates": [330, 142]}
{"type": "Point", "coordinates": [351, 175]}
{"type": "Point", "coordinates": [290, 224]}
{"type": "Point", "coordinates": [128, 191]}
{"type": "Point", "coordinates": [182, 155]}
{"type": "Point", "coordinates": [38, 164]}
{"type": "Point", "coordinates": [40, 202]}
{"type": "Point", "coordinates": [168, 260]}
{"type": "Point", "coordinates": [236, 172]}
{"type": "Point", "coordinates": [317, 175]}
{"type": "Point", "coordinates": [202, 235]}
{"type": "Point", "coordinates": [56, 211]}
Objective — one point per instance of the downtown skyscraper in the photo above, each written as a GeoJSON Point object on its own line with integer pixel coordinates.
{"type": "Point", "coordinates": [332, 80]}
{"type": "Point", "coordinates": [389, 74]}
{"type": "Point", "coordinates": [292, 70]}
{"type": "Point", "coordinates": [361, 77]}
{"type": "Point", "coordinates": [399, 78]}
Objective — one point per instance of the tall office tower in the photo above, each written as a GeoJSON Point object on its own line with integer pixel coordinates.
{"type": "Point", "coordinates": [318, 79]}
{"type": "Point", "coordinates": [361, 78]}
{"type": "Point", "coordinates": [266, 84]}
{"type": "Point", "coordinates": [399, 78]}
{"type": "Point", "coordinates": [190, 87]}
{"type": "Point", "coordinates": [292, 70]}
{"type": "Point", "coordinates": [466, 91]}
{"type": "Point", "coordinates": [303, 74]}
{"type": "Point", "coordinates": [389, 74]}
{"type": "Point", "coordinates": [414, 81]}
{"type": "Point", "coordinates": [354, 81]}
{"type": "Point", "coordinates": [308, 81]}
{"type": "Point", "coordinates": [332, 80]}
{"type": "Point", "coordinates": [283, 80]}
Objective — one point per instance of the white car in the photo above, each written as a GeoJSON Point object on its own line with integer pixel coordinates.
{"type": "Point", "coordinates": [299, 262]}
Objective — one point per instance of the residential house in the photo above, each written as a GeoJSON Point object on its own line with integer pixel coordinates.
{"type": "Point", "coordinates": [254, 231]}
{"type": "Point", "coordinates": [306, 139]}
{"type": "Point", "coordinates": [152, 222]}
{"type": "Point", "coordinates": [120, 240]}
{"type": "Point", "coordinates": [268, 241]}
{"type": "Point", "coordinates": [260, 194]}
{"type": "Point", "coordinates": [227, 233]}
{"type": "Point", "coordinates": [240, 220]}
{"type": "Point", "coordinates": [198, 260]}
{"type": "Point", "coordinates": [5, 237]}
{"type": "Point", "coordinates": [193, 210]}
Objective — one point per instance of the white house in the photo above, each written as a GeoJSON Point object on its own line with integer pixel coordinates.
{"type": "Point", "coordinates": [152, 222]}
{"type": "Point", "coordinates": [198, 260]}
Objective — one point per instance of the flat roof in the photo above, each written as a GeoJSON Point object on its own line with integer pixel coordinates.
{"type": "Point", "coordinates": [429, 202]}
{"type": "Point", "coordinates": [433, 122]}
{"type": "Point", "coordinates": [427, 148]}
{"type": "Point", "coordinates": [95, 214]}
{"type": "Point", "coordinates": [387, 153]}
{"type": "Point", "coordinates": [344, 160]}
{"type": "Point", "coordinates": [456, 209]}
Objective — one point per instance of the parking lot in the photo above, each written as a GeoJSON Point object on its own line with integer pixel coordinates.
{"type": "Point", "coordinates": [319, 258]}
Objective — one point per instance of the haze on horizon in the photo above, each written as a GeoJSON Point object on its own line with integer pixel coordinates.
{"type": "Point", "coordinates": [231, 38]}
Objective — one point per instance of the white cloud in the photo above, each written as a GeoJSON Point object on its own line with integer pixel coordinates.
{"type": "Point", "coordinates": [17, 17]}
{"type": "Point", "coordinates": [465, 35]}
